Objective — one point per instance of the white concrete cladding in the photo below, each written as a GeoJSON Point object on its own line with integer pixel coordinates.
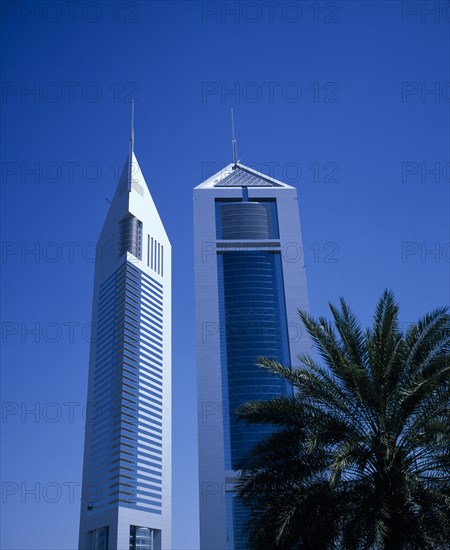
{"type": "Point", "coordinates": [219, 521]}
{"type": "Point", "coordinates": [127, 455]}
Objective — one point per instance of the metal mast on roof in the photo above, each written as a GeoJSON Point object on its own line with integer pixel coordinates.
{"type": "Point", "coordinates": [130, 157]}
{"type": "Point", "coordinates": [233, 139]}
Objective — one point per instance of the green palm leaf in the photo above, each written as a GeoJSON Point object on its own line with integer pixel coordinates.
{"type": "Point", "coordinates": [361, 453]}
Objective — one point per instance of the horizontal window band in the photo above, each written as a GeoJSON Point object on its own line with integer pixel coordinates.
{"type": "Point", "coordinates": [243, 245]}
{"type": "Point", "coordinates": [140, 274]}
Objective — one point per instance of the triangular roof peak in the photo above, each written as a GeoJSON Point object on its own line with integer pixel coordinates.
{"type": "Point", "coordinates": [239, 175]}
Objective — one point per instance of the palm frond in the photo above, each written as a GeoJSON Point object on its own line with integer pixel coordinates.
{"type": "Point", "coordinates": [360, 453]}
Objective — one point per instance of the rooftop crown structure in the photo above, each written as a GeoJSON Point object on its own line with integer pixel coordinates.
{"type": "Point", "coordinates": [126, 498]}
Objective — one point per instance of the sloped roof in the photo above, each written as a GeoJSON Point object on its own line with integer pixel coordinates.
{"type": "Point", "coordinates": [238, 175]}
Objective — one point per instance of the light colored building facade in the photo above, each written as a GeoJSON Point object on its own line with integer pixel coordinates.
{"type": "Point", "coordinates": [250, 281]}
{"type": "Point", "coordinates": [126, 497]}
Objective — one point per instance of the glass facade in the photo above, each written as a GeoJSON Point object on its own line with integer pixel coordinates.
{"type": "Point", "coordinates": [240, 517]}
{"type": "Point", "coordinates": [141, 538]}
{"type": "Point", "coordinates": [99, 539]}
{"type": "Point", "coordinates": [254, 325]}
{"type": "Point", "coordinates": [131, 236]}
{"type": "Point", "coordinates": [126, 465]}
{"type": "Point", "coordinates": [250, 220]}
{"type": "Point", "coordinates": [253, 321]}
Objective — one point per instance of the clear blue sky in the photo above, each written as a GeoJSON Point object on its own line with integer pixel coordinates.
{"type": "Point", "coordinates": [354, 95]}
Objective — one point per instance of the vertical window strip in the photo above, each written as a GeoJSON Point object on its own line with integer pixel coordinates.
{"type": "Point", "coordinates": [155, 255]}
{"type": "Point", "coordinates": [140, 241]}
{"type": "Point", "coordinates": [151, 265]}
{"type": "Point", "coordinates": [159, 251]}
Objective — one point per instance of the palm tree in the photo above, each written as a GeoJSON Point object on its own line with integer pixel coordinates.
{"type": "Point", "coordinates": [361, 454]}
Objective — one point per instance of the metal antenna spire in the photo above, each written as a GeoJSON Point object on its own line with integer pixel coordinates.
{"type": "Point", "coordinates": [233, 139]}
{"type": "Point", "coordinates": [130, 157]}
{"type": "Point", "coordinates": [132, 126]}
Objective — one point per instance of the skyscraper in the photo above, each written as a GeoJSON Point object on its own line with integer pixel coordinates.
{"type": "Point", "coordinates": [249, 281]}
{"type": "Point", "coordinates": [126, 496]}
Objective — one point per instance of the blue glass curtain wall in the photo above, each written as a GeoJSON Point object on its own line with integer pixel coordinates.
{"type": "Point", "coordinates": [253, 323]}
{"type": "Point", "coordinates": [255, 219]}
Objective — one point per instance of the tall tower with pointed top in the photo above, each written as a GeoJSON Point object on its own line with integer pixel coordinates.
{"type": "Point", "coordinates": [249, 282]}
{"type": "Point", "coordinates": [126, 490]}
